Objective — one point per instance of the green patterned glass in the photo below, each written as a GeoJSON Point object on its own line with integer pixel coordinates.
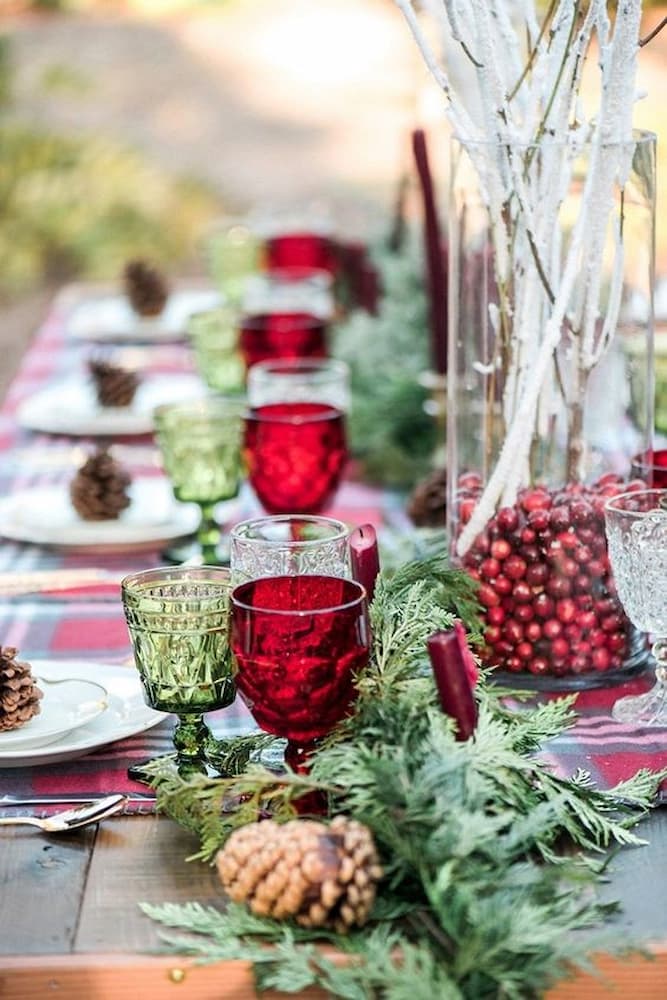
{"type": "Point", "coordinates": [214, 337]}
{"type": "Point", "coordinates": [178, 623]}
{"type": "Point", "coordinates": [200, 442]}
{"type": "Point", "coordinates": [234, 252]}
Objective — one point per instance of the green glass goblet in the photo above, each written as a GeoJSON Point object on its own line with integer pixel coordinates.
{"type": "Point", "coordinates": [178, 620]}
{"type": "Point", "coordinates": [214, 338]}
{"type": "Point", "coordinates": [200, 443]}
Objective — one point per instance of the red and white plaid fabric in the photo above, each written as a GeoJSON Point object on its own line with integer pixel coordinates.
{"type": "Point", "coordinates": [89, 624]}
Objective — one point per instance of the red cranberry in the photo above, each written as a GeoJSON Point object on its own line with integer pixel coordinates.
{"type": "Point", "coordinates": [587, 619]}
{"type": "Point", "coordinates": [537, 574]}
{"type": "Point", "coordinates": [559, 519]}
{"type": "Point", "coordinates": [489, 568]}
{"type": "Point", "coordinates": [524, 612]}
{"type": "Point", "coordinates": [533, 631]}
{"type": "Point", "coordinates": [566, 610]}
{"type": "Point", "coordinates": [495, 616]}
{"type": "Point", "coordinates": [538, 520]}
{"type": "Point", "coordinates": [507, 519]}
{"type": "Point", "coordinates": [513, 631]}
{"type": "Point", "coordinates": [543, 606]}
{"type": "Point", "coordinates": [558, 586]}
{"type": "Point", "coordinates": [500, 549]}
{"type": "Point", "coordinates": [492, 634]}
{"type": "Point", "coordinates": [560, 648]}
{"type": "Point", "coordinates": [522, 592]}
{"type": "Point", "coordinates": [466, 508]}
{"type": "Point", "coordinates": [514, 567]}
{"type": "Point", "coordinates": [502, 585]}
{"type": "Point", "coordinates": [538, 665]}
{"type": "Point", "coordinates": [530, 553]}
{"type": "Point", "coordinates": [569, 568]}
{"type": "Point", "coordinates": [600, 659]}
{"type": "Point", "coordinates": [537, 499]}
{"type": "Point", "coordinates": [612, 622]}
{"type": "Point", "coordinates": [524, 650]}
{"type": "Point", "coordinates": [469, 481]}
{"type": "Point", "coordinates": [487, 596]}
{"type": "Point", "coordinates": [552, 628]}
{"type": "Point", "coordinates": [528, 536]}
{"type": "Point", "coordinates": [581, 512]}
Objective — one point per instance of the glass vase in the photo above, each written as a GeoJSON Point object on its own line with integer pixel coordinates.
{"type": "Point", "coordinates": [550, 394]}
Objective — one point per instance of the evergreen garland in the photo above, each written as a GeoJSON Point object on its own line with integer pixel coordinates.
{"type": "Point", "coordinates": [491, 861]}
{"type": "Point", "coordinates": [390, 432]}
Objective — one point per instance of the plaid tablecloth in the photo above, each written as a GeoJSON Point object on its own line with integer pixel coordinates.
{"type": "Point", "coordinates": [88, 624]}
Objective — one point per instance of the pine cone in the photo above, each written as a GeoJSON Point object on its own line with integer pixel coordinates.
{"type": "Point", "coordinates": [19, 695]}
{"type": "Point", "coordinates": [145, 287]}
{"type": "Point", "coordinates": [320, 875]}
{"type": "Point", "coordinates": [114, 386]}
{"type": "Point", "coordinates": [427, 506]}
{"type": "Point", "coordinates": [99, 489]}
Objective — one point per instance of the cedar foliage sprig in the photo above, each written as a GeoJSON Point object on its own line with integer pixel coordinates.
{"type": "Point", "coordinates": [491, 861]}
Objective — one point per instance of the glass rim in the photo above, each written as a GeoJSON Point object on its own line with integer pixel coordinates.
{"type": "Point", "coordinates": [299, 366]}
{"type": "Point", "coordinates": [203, 406]}
{"type": "Point", "coordinates": [252, 413]}
{"type": "Point", "coordinates": [180, 574]}
{"type": "Point", "coordinates": [341, 531]}
{"type": "Point", "coordinates": [235, 602]}
{"type": "Point", "coordinates": [295, 320]}
{"type": "Point", "coordinates": [657, 491]}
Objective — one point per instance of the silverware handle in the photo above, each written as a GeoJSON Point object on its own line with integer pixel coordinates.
{"type": "Point", "coordinates": [45, 800]}
{"type": "Point", "coordinates": [17, 820]}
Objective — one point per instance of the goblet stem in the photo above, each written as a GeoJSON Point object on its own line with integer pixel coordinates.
{"type": "Point", "coordinates": [648, 709]}
{"type": "Point", "coordinates": [208, 534]}
{"type": "Point", "coordinates": [190, 738]}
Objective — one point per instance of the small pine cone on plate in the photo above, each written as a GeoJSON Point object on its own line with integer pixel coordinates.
{"type": "Point", "coordinates": [320, 875]}
{"type": "Point", "coordinates": [114, 385]}
{"type": "Point", "coordinates": [99, 490]}
{"type": "Point", "coordinates": [19, 694]}
{"type": "Point", "coordinates": [145, 287]}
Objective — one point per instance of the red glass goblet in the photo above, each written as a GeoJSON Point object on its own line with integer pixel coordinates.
{"type": "Point", "coordinates": [294, 442]}
{"type": "Point", "coordinates": [301, 248]}
{"type": "Point", "coordinates": [264, 336]}
{"type": "Point", "coordinates": [651, 466]}
{"type": "Point", "coordinates": [299, 642]}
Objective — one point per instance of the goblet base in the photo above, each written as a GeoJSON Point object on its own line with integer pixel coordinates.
{"type": "Point", "coordinates": [648, 709]}
{"type": "Point", "coordinates": [190, 554]}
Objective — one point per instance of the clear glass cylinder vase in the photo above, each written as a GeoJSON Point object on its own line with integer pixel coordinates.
{"type": "Point", "coordinates": [550, 393]}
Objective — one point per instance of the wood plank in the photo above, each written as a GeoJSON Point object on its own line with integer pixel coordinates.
{"type": "Point", "coordinates": [139, 859]}
{"type": "Point", "coordinates": [41, 884]}
{"type": "Point", "coordinates": [637, 879]}
{"type": "Point", "coordinates": [114, 977]}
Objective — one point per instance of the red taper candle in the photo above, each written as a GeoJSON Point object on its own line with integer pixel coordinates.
{"type": "Point", "coordinates": [435, 256]}
{"type": "Point", "coordinates": [364, 557]}
{"type": "Point", "coordinates": [455, 674]}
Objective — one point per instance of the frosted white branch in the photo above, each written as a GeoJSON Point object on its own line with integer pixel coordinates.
{"type": "Point", "coordinates": [524, 128]}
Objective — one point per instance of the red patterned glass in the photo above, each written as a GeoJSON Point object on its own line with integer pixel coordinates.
{"type": "Point", "coordinates": [295, 454]}
{"type": "Point", "coordinates": [295, 444]}
{"type": "Point", "coordinates": [263, 336]}
{"type": "Point", "coordinates": [298, 642]}
{"type": "Point", "coordinates": [651, 467]}
{"type": "Point", "coordinates": [301, 249]}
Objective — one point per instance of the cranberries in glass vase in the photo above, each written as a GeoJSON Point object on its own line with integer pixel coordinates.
{"type": "Point", "coordinates": [550, 609]}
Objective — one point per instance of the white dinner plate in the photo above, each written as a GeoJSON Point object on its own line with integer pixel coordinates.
{"type": "Point", "coordinates": [70, 406]}
{"type": "Point", "coordinates": [126, 713]}
{"type": "Point", "coordinates": [44, 515]}
{"type": "Point", "coordinates": [64, 707]}
{"type": "Point", "coordinates": [110, 319]}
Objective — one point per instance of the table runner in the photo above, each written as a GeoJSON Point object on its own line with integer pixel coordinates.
{"type": "Point", "coordinates": [88, 623]}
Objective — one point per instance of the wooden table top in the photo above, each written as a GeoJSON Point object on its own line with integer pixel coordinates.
{"type": "Point", "coordinates": [70, 924]}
